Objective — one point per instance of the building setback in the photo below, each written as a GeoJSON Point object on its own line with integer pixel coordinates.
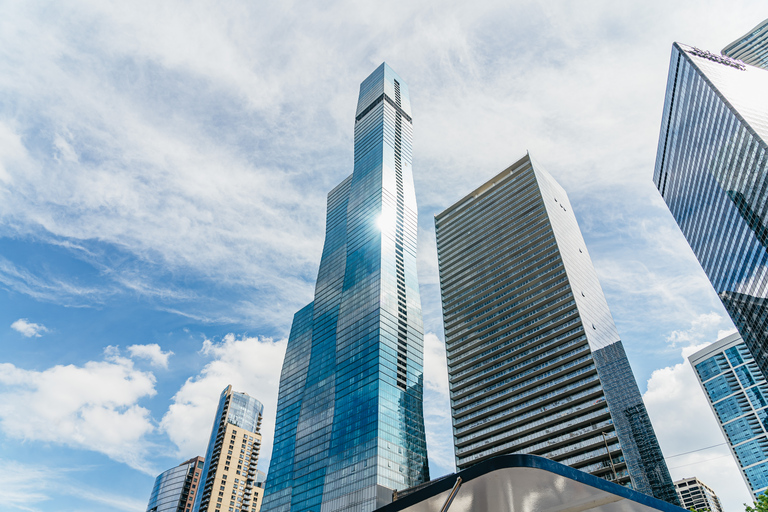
{"type": "Point", "coordinates": [350, 426]}
{"type": "Point", "coordinates": [175, 489]}
{"type": "Point", "coordinates": [229, 475]}
{"type": "Point", "coordinates": [738, 395]}
{"type": "Point", "coordinates": [712, 171]}
{"type": "Point", "coordinates": [696, 495]}
{"type": "Point", "coordinates": [752, 47]}
{"type": "Point", "coordinates": [534, 359]}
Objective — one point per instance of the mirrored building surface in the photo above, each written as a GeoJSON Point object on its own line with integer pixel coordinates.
{"type": "Point", "coordinates": [738, 394]}
{"type": "Point", "coordinates": [752, 47]}
{"type": "Point", "coordinates": [350, 425]}
{"type": "Point", "coordinates": [712, 171]}
{"type": "Point", "coordinates": [175, 489]}
{"type": "Point", "coordinates": [535, 362]}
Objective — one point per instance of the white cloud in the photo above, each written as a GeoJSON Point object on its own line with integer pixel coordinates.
{"type": "Point", "coordinates": [701, 327]}
{"type": "Point", "coordinates": [437, 407]}
{"type": "Point", "coordinates": [250, 365]}
{"type": "Point", "coordinates": [152, 352]}
{"type": "Point", "coordinates": [683, 422]}
{"type": "Point", "coordinates": [92, 407]}
{"type": "Point", "coordinates": [28, 328]}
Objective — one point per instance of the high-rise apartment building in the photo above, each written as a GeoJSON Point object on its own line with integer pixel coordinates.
{"type": "Point", "coordinates": [229, 474]}
{"type": "Point", "coordinates": [712, 171]}
{"type": "Point", "coordinates": [752, 47]}
{"type": "Point", "coordinates": [350, 426]}
{"type": "Point", "coordinates": [736, 390]}
{"type": "Point", "coordinates": [175, 489]}
{"type": "Point", "coordinates": [535, 362]}
{"type": "Point", "coordinates": [696, 495]}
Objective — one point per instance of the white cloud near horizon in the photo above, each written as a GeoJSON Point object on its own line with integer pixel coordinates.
{"type": "Point", "coordinates": [91, 407]}
{"type": "Point", "coordinates": [23, 485]}
{"type": "Point", "coordinates": [28, 329]}
{"type": "Point", "coordinates": [250, 365]}
{"type": "Point", "coordinates": [151, 352]}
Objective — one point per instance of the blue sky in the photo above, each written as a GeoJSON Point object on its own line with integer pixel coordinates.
{"type": "Point", "coordinates": [163, 172]}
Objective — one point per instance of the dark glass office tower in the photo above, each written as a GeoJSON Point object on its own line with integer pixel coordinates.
{"type": "Point", "coordinates": [712, 171]}
{"type": "Point", "coordinates": [752, 47]}
{"type": "Point", "coordinates": [350, 426]}
{"type": "Point", "coordinates": [535, 362]}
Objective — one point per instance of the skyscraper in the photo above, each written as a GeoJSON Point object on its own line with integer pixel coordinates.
{"type": "Point", "coordinates": [175, 489]}
{"type": "Point", "coordinates": [738, 395]}
{"type": "Point", "coordinates": [712, 171]}
{"type": "Point", "coordinates": [350, 426]}
{"type": "Point", "coordinates": [535, 362]}
{"type": "Point", "coordinates": [229, 475]}
{"type": "Point", "coordinates": [696, 495]}
{"type": "Point", "coordinates": [752, 47]}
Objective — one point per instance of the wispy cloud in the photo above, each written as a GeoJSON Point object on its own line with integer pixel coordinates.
{"type": "Point", "coordinates": [28, 329]}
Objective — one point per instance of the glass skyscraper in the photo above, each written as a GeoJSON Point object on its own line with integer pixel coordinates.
{"type": "Point", "coordinates": [350, 426]}
{"type": "Point", "coordinates": [738, 394]}
{"type": "Point", "coordinates": [752, 47]}
{"type": "Point", "coordinates": [175, 489]}
{"type": "Point", "coordinates": [535, 362]}
{"type": "Point", "coordinates": [712, 171]}
{"type": "Point", "coordinates": [229, 475]}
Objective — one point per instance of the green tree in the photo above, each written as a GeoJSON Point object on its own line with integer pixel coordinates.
{"type": "Point", "coordinates": [761, 504]}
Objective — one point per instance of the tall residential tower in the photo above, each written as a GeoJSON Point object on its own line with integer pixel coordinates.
{"type": "Point", "coordinates": [712, 171]}
{"type": "Point", "coordinates": [535, 362]}
{"type": "Point", "coordinates": [738, 394]}
{"type": "Point", "coordinates": [229, 474]}
{"type": "Point", "coordinates": [350, 426]}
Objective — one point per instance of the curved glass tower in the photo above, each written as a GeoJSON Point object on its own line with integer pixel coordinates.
{"type": "Point", "coordinates": [350, 426]}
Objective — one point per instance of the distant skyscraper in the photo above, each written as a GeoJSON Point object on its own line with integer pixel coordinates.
{"type": "Point", "coordinates": [350, 426]}
{"type": "Point", "coordinates": [535, 362]}
{"type": "Point", "coordinates": [175, 489]}
{"type": "Point", "coordinates": [696, 495]}
{"type": "Point", "coordinates": [229, 476]}
{"type": "Point", "coordinates": [738, 394]}
{"type": "Point", "coordinates": [712, 171]}
{"type": "Point", "coordinates": [751, 48]}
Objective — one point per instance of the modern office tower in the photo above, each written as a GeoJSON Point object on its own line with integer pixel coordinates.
{"type": "Point", "coordinates": [350, 426]}
{"type": "Point", "coordinates": [736, 390]}
{"type": "Point", "coordinates": [229, 475]}
{"type": "Point", "coordinates": [712, 171]}
{"type": "Point", "coordinates": [751, 48]}
{"type": "Point", "coordinates": [535, 362]}
{"type": "Point", "coordinates": [175, 489]}
{"type": "Point", "coordinates": [696, 495]}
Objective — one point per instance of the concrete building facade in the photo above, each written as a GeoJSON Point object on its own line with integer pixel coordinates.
{"type": "Point", "coordinates": [535, 362]}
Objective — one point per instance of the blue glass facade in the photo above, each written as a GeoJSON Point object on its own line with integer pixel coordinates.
{"type": "Point", "coordinates": [712, 171]}
{"type": "Point", "coordinates": [350, 425]}
{"type": "Point", "coordinates": [535, 362]}
{"type": "Point", "coordinates": [738, 393]}
{"type": "Point", "coordinates": [229, 475]}
{"type": "Point", "coordinates": [175, 489]}
{"type": "Point", "coordinates": [752, 47]}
